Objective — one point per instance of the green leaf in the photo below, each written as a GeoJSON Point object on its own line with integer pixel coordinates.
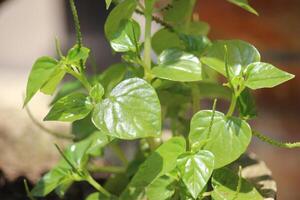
{"type": "Point", "coordinates": [195, 44]}
{"type": "Point", "coordinates": [246, 105]}
{"type": "Point", "coordinates": [39, 75]}
{"type": "Point", "coordinates": [227, 138]}
{"type": "Point", "coordinates": [50, 86]}
{"type": "Point", "coordinates": [70, 108]}
{"type": "Point", "coordinates": [213, 90]}
{"type": "Point", "coordinates": [197, 28]}
{"type": "Point", "coordinates": [264, 75]}
{"type": "Point", "coordinates": [179, 12]}
{"type": "Point", "coordinates": [76, 54]}
{"type": "Point", "coordinates": [195, 170]}
{"type": "Point", "coordinates": [123, 10]}
{"type": "Point", "coordinates": [108, 2]}
{"type": "Point", "coordinates": [165, 39]}
{"type": "Point", "coordinates": [240, 55]}
{"type": "Point", "coordinates": [245, 5]}
{"type": "Point", "coordinates": [127, 37]}
{"type": "Point", "coordinates": [132, 110]}
{"type": "Point", "coordinates": [83, 128]}
{"type": "Point", "coordinates": [162, 188]}
{"type": "Point", "coordinates": [177, 65]}
{"type": "Point", "coordinates": [112, 76]}
{"type": "Point", "coordinates": [225, 183]}
{"type": "Point", "coordinates": [99, 196]}
{"type": "Point", "coordinates": [160, 162]}
{"type": "Point", "coordinates": [67, 88]}
{"type": "Point", "coordinates": [97, 92]}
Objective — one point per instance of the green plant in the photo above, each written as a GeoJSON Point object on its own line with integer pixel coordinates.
{"type": "Point", "coordinates": [134, 99]}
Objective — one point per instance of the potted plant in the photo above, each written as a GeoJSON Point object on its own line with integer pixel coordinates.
{"type": "Point", "coordinates": [139, 97]}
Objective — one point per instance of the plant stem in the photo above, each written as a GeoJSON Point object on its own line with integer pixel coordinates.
{"type": "Point", "coordinates": [51, 132]}
{"type": "Point", "coordinates": [196, 98]}
{"type": "Point", "coordinates": [147, 44]}
{"type": "Point", "coordinates": [28, 193]}
{"type": "Point", "coordinates": [274, 142]}
{"type": "Point", "coordinates": [119, 152]}
{"type": "Point", "coordinates": [81, 77]}
{"type": "Point", "coordinates": [232, 105]}
{"type": "Point", "coordinates": [58, 48]}
{"type": "Point", "coordinates": [97, 186]}
{"type": "Point", "coordinates": [77, 24]}
{"type": "Point", "coordinates": [106, 169]}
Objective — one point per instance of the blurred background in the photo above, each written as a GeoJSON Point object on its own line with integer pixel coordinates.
{"type": "Point", "coordinates": [28, 29]}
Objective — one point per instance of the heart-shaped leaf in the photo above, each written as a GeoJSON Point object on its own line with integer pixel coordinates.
{"type": "Point", "coordinates": [264, 75]}
{"type": "Point", "coordinates": [177, 65]}
{"type": "Point", "coordinates": [40, 73]}
{"type": "Point", "coordinates": [225, 184]}
{"type": "Point", "coordinates": [70, 108]}
{"type": "Point", "coordinates": [240, 55]}
{"type": "Point", "coordinates": [132, 110]}
{"type": "Point", "coordinates": [195, 170]}
{"type": "Point", "coordinates": [127, 37]}
{"type": "Point", "coordinates": [226, 137]}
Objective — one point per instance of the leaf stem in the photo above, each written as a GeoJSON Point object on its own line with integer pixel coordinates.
{"type": "Point", "coordinates": [66, 159]}
{"type": "Point", "coordinates": [196, 98]}
{"type": "Point", "coordinates": [81, 77]}
{"type": "Point", "coordinates": [28, 193]}
{"type": "Point", "coordinates": [106, 169]}
{"type": "Point", "coordinates": [119, 152]}
{"type": "Point", "coordinates": [232, 105]}
{"type": "Point", "coordinates": [274, 142]}
{"type": "Point", "coordinates": [51, 132]}
{"type": "Point", "coordinates": [58, 48]}
{"type": "Point", "coordinates": [97, 186]}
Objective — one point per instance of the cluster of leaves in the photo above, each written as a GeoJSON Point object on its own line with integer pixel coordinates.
{"type": "Point", "coordinates": [134, 99]}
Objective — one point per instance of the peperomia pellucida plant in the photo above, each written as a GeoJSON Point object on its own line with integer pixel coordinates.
{"type": "Point", "coordinates": [156, 89]}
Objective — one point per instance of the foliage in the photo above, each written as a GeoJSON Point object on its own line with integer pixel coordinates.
{"type": "Point", "coordinates": [135, 99]}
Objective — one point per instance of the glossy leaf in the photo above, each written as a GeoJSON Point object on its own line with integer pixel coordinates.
{"type": "Point", "coordinates": [39, 75]}
{"type": "Point", "coordinates": [225, 183]}
{"type": "Point", "coordinates": [195, 170]}
{"type": "Point", "coordinates": [97, 92]}
{"type": "Point", "coordinates": [264, 75]}
{"type": "Point", "coordinates": [244, 4]}
{"type": "Point", "coordinates": [76, 54]}
{"type": "Point", "coordinates": [51, 85]}
{"type": "Point", "coordinates": [240, 55]}
{"type": "Point", "coordinates": [127, 37]}
{"type": "Point", "coordinates": [165, 39]}
{"type": "Point", "coordinates": [132, 110]}
{"type": "Point", "coordinates": [160, 162]}
{"type": "Point", "coordinates": [162, 188]}
{"type": "Point", "coordinates": [122, 11]}
{"type": "Point", "coordinates": [246, 105]}
{"type": "Point", "coordinates": [227, 139]}
{"type": "Point", "coordinates": [70, 108]}
{"type": "Point", "coordinates": [195, 44]}
{"type": "Point", "coordinates": [177, 65]}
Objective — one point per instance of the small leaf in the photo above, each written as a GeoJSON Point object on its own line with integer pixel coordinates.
{"type": "Point", "coordinates": [176, 65]}
{"type": "Point", "coordinates": [240, 55]}
{"type": "Point", "coordinates": [264, 75]}
{"type": "Point", "coordinates": [51, 85]}
{"type": "Point", "coordinates": [165, 39]}
{"type": "Point", "coordinates": [97, 92]}
{"type": "Point", "coordinates": [228, 137]}
{"type": "Point", "coordinates": [39, 75]}
{"type": "Point", "coordinates": [67, 88]}
{"type": "Point", "coordinates": [70, 108]}
{"type": "Point", "coordinates": [246, 105]}
{"type": "Point", "coordinates": [108, 2]}
{"type": "Point", "coordinates": [225, 183]}
{"type": "Point", "coordinates": [160, 162]}
{"type": "Point", "coordinates": [127, 37]}
{"type": "Point", "coordinates": [245, 5]}
{"type": "Point", "coordinates": [195, 44]}
{"type": "Point", "coordinates": [122, 11]}
{"type": "Point", "coordinates": [76, 54]}
{"type": "Point", "coordinates": [162, 188]}
{"type": "Point", "coordinates": [132, 110]}
{"type": "Point", "coordinates": [195, 170]}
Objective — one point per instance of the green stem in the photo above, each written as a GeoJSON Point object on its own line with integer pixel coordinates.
{"type": "Point", "coordinates": [97, 186]}
{"type": "Point", "coordinates": [77, 24]}
{"type": "Point", "coordinates": [274, 142]}
{"type": "Point", "coordinates": [147, 44]}
{"type": "Point", "coordinates": [119, 152]}
{"type": "Point", "coordinates": [28, 193]}
{"type": "Point", "coordinates": [106, 169]}
{"type": "Point", "coordinates": [81, 77]}
{"type": "Point", "coordinates": [238, 188]}
{"type": "Point", "coordinates": [58, 48]}
{"type": "Point", "coordinates": [196, 98]}
{"type": "Point", "coordinates": [232, 105]}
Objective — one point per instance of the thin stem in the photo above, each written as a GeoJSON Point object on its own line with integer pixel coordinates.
{"type": "Point", "coordinates": [66, 159]}
{"type": "Point", "coordinates": [232, 105]}
{"type": "Point", "coordinates": [196, 98]}
{"type": "Point", "coordinates": [239, 186]}
{"type": "Point", "coordinates": [77, 24]}
{"type": "Point", "coordinates": [97, 186]}
{"type": "Point", "coordinates": [147, 43]}
{"type": "Point", "coordinates": [28, 193]}
{"type": "Point", "coordinates": [51, 132]}
{"type": "Point", "coordinates": [274, 142]}
{"type": "Point", "coordinates": [106, 169]}
{"type": "Point", "coordinates": [119, 152]}
{"type": "Point", "coordinates": [58, 48]}
{"type": "Point", "coordinates": [81, 77]}
{"type": "Point", "coordinates": [212, 117]}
